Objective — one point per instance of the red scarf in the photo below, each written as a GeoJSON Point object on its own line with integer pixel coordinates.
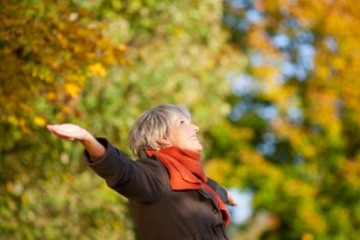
{"type": "Point", "coordinates": [186, 173]}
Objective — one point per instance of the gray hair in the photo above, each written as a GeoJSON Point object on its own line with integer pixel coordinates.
{"type": "Point", "coordinates": [154, 124]}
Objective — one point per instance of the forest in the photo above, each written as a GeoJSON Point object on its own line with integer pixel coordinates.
{"type": "Point", "coordinates": [272, 85]}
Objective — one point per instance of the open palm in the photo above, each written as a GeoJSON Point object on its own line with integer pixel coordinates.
{"type": "Point", "coordinates": [68, 131]}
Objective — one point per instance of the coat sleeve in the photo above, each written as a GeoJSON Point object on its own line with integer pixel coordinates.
{"type": "Point", "coordinates": [143, 180]}
{"type": "Point", "coordinates": [221, 191]}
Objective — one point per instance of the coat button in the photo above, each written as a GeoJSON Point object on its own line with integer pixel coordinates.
{"type": "Point", "coordinates": [215, 211]}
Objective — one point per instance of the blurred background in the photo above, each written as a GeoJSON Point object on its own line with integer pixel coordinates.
{"type": "Point", "coordinates": [273, 86]}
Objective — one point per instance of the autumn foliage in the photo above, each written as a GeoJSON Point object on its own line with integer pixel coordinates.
{"type": "Point", "coordinates": [272, 85]}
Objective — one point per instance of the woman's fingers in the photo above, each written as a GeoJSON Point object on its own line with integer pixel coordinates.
{"type": "Point", "coordinates": [67, 131]}
{"type": "Point", "coordinates": [231, 200]}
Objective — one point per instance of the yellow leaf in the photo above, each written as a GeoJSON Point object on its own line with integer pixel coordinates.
{"type": "Point", "coordinates": [39, 121]}
{"type": "Point", "coordinates": [72, 89]}
{"type": "Point", "coordinates": [13, 120]}
{"type": "Point", "coordinates": [51, 96]}
{"type": "Point", "coordinates": [307, 236]}
{"type": "Point", "coordinates": [97, 69]}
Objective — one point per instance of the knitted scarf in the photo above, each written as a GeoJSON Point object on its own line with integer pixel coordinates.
{"type": "Point", "coordinates": [186, 173]}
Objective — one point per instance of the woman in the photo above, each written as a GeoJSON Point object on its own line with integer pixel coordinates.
{"type": "Point", "coordinates": [170, 196]}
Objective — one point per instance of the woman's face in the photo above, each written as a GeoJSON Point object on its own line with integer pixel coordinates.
{"type": "Point", "coordinates": [183, 134]}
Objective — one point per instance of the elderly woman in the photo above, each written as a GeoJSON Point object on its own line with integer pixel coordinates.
{"type": "Point", "coordinates": [170, 196]}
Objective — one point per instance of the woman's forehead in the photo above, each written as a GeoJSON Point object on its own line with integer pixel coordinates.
{"type": "Point", "coordinates": [182, 116]}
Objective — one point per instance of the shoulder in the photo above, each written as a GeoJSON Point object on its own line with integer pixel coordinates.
{"type": "Point", "coordinates": [152, 163]}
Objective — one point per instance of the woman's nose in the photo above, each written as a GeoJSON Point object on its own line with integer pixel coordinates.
{"type": "Point", "coordinates": [196, 128]}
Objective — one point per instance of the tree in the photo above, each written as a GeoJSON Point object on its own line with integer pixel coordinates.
{"type": "Point", "coordinates": [298, 104]}
{"type": "Point", "coordinates": [98, 64]}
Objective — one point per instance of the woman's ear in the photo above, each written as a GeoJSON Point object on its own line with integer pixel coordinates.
{"type": "Point", "coordinates": [164, 142]}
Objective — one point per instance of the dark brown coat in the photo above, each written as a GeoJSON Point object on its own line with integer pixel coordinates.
{"type": "Point", "coordinates": [161, 213]}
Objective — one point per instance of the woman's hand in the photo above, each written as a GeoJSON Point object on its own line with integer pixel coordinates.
{"type": "Point", "coordinates": [231, 201]}
{"type": "Point", "coordinates": [69, 132]}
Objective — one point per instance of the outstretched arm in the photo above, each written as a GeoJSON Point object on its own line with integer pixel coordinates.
{"type": "Point", "coordinates": [72, 132]}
